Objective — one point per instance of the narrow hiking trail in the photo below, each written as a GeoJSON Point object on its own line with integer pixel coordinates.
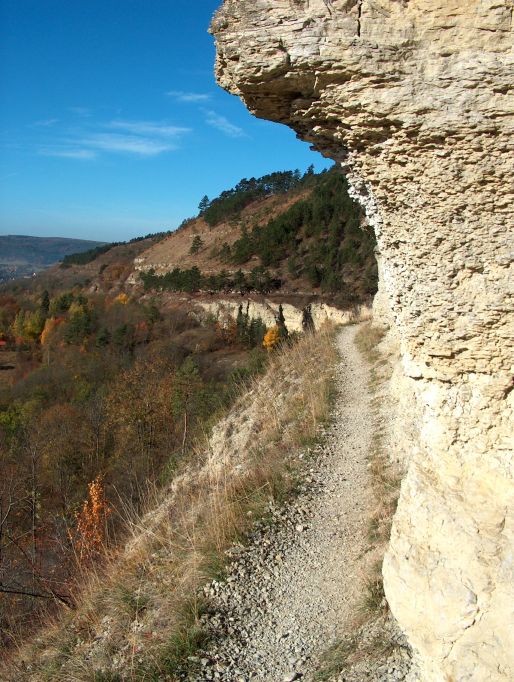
{"type": "Point", "coordinates": [290, 593]}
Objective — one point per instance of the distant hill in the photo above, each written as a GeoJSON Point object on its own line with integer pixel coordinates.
{"type": "Point", "coordinates": [22, 256]}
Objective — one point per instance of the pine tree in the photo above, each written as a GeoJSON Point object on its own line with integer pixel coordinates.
{"type": "Point", "coordinates": [103, 337]}
{"type": "Point", "coordinates": [204, 204]}
{"type": "Point", "coordinates": [196, 244]}
{"type": "Point", "coordinates": [281, 323]}
{"type": "Point", "coordinates": [45, 303]}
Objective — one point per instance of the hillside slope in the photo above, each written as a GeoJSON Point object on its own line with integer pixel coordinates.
{"type": "Point", "coordinates": [22, 256]}
{"type": "Point", "coordinates": [310, 238]}
{"type": "Point", "coordinates": [299, 239]}
{"type": "Point", "coordinates": [299, 585]}
{"type": "Point", "coordinates": [103, 269]}
{"type": "Point", "coordinates": [138, 618]}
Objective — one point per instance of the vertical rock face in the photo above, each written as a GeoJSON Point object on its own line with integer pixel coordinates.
{"type": "Point", "coordinates": [412, 97]}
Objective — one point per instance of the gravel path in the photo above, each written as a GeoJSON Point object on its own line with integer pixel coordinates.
{"type": "Point", "coordinates": [289, 594]}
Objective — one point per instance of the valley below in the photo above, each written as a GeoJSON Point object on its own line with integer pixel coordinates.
{"type": "Point", "coordinates": [23, 256]}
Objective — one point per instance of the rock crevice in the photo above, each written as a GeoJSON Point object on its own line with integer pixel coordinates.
{"type": "Point", "coordinates": [413, 98]}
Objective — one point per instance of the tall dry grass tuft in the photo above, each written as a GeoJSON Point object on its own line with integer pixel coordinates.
{"type": "Point", "coordinates": [138, 617]}
{"type": "Point", "coordinates": [385, 477]}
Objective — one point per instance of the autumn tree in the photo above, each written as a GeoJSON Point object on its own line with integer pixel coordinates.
{"type": "Point", "coordinates": [91, 528]}
{"type": "Point", "coordinates": [141, 426]}
{"type": "Point", "coordinates": [28, 325]}
{"type": "Point", "coordinates": [48, 336]}
{"type": "Point", "coordinates": [121, 299]}
{"type": "Point", "coordinates": [272, 338]}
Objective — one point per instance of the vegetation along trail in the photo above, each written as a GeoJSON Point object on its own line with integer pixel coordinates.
{"type": "Point", "coordinates": [289, 594]}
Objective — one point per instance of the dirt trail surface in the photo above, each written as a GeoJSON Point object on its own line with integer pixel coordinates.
{"type": "Point", "coordinates": [292, 590]}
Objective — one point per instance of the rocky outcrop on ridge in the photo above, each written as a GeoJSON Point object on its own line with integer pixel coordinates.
{"type": "Point", "coordinates": [413, 98]}
{"type": "Point", "coordinates": [268, 311]}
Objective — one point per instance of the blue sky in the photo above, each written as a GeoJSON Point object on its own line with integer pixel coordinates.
{"type": "Point", "coordinates": [111, 123]}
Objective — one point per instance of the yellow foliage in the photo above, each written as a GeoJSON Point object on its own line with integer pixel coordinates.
{"type": "Point", "coordinates": [27, 325]}
{"type": "Point", "coordinates": [50, 324]}
{"type": "Point", "coordinates": [75, 309]}
{"type": "Point", "coordinates": [271, 339]}
{"type": "Point", "coordinates": [122, 299]}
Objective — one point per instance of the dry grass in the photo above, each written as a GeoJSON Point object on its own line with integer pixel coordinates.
{"type": "Point", "coordinates": [356, 648]}
{"type": "Point", "coordinates": [138, 617]}
{"type": "Point", "coordinates": [368, 339]}
{"type": "Point", "coordinates": [385, 479]}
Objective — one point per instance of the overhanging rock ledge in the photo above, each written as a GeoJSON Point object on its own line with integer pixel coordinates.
{"type": "Point", "coordinates": [414, 98]}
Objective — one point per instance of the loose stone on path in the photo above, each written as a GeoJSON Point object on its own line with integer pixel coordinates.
{"type": "Point", "coordinates": [289, 595]}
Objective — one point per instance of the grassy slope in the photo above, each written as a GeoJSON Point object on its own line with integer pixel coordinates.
{"type": "Point", "coordinates": [174, 250]}
{"type": "Point", "coordinates": [137, 616]}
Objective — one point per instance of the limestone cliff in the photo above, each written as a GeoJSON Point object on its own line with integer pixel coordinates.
{"type": "Point", "coordinates": [413, 98]}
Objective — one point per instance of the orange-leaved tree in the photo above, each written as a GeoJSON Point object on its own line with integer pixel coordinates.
{"type": "Point", "coordinates": [122, 299]}
{"type": "Point", "coordinates": [92, 521]}
{"type": "Point", "coordinates": [51, 323]}
{"type": "Point", "coordinates": [272, 338]}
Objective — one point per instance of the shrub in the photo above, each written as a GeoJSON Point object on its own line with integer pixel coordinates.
{"type": "Point", "coordinates": [272, 338]}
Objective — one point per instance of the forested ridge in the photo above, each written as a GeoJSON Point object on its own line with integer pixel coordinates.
{"type": "Point", "coordinates": [318, 243]}
{"type": "Point", "coordinates": [21, 255]}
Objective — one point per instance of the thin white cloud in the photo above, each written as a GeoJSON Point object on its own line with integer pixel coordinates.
{"type": "Point", "coordinates": [127, 144]}
{"type": "Point", "coordinates": [118, 136]}
{"type": "Point", "coordinates": [80, 111]}
{"type": "Point", "coordinates": [46, 123]}
{"type": "Point", "coordinates": [189, 97]}
{"type": "Point", "coordinates": [149, 128]}
{"type": "Point", "coordinates": [223, 124]}
{"type": "Point", "coordinates": [70, 153]}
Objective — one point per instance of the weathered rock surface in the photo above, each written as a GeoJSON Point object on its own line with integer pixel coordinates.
{"type": "Point", "coordinates": [268, 311]}
{"type": "Point", "coordinates": [413, 98]}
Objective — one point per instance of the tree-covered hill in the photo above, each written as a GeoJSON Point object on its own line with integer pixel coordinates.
{"type": "Point", "coordinates": [283, 232]}
{"type": "Point", "coordinates": [22, 255]}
